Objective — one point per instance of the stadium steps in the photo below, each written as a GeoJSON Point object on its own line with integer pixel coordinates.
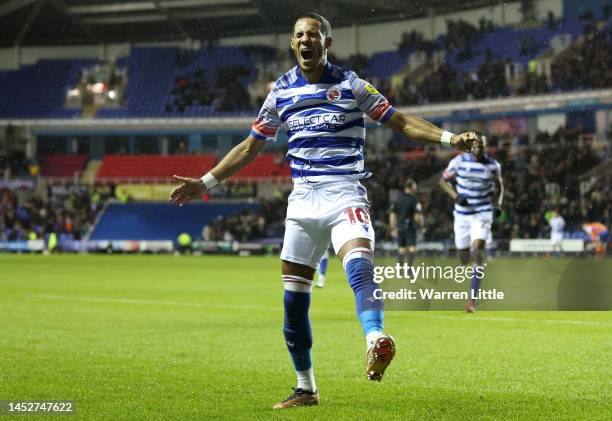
{"type": "Point", "coordinates": [90, 171]}
{"type": "Point", "coordinates": [94, 225]}
{"type": "Point", "coordinates": [600, 170]}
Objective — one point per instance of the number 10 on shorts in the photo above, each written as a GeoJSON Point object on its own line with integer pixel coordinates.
{"type": "Point", "coordinates": [357, 215]}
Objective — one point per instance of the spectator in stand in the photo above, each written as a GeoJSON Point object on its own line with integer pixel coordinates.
{"type": "Point", "coordinates": [587, 67]}
{"type": "Point", "coordinates": [26, 214]}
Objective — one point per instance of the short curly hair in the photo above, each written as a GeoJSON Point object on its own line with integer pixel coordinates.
{"type": "Point", "coordinates": [325, 25]}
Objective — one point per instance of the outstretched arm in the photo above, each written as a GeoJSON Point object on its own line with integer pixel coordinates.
{"type": "Point", "coordinates": [241, 155]}
{"type": "Point", "coordinates": [423, 131]}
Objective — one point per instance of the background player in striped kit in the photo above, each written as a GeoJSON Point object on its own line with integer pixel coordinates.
{"type": "Point", "coordinates": [323, 107]}
{"type": "Point", "coordinates": [478, 180]}
{"type": "Point", "coordinates": [322, 271]}
{"type": "Point", "coordinates": [557, 226]}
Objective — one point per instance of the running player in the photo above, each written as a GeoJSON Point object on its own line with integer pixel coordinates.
{"type": "Point", "coordinates": [322, 271]}
{"type": "Point", "coordinates": [323, 108]}
{"type": "Point", "coordinates": [557, 225]}
{"type": "Point", "coordinates": [477, 178]}
{"type": "Point", "coordinates": [404, 220]}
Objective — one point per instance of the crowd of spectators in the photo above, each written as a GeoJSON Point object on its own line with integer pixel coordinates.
{"type": "Point", "coordinates": [540, 179]}
{"type": "Point", "coordinates": [461, 36]}
{"type": "Point", "coordinates": [537, 179]}
{"type": "Point", "coordinates": [587, 67]}
{"type": "Point", "coordinates": [16, 164]}
{"type": "Point", "coordinates": [583, 67]}
{"type": "Point", "coordinates": [29, 214]}
{"type": "Point", "coordinates": [446, 84]}
{"type": "Point", "coordinates": [226, 92]}
{"type": "Point", "coordinates": [248, 225]}
{"type": "Point", "coordinates": [413, 40]}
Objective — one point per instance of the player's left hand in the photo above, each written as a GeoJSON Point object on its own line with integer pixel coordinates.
{"type": "Point", "coordinates": [496, 212]}
{"type": "Point", "coordinates": [190, 188]}
{"type": "Point", "coordinates": [463, 141]}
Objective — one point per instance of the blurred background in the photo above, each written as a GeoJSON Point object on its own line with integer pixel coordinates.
{"type": "Point", "coordinates": [102, 101]}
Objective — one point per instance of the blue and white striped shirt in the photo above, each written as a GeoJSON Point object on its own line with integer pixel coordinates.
{"type": "Point", "coordinates": [557, 225]}
{"type": "Point", "coordinates": [474, 180]}
{"type": "Point", "coordinates": [325, 123]}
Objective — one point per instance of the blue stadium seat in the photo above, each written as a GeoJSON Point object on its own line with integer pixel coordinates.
{"type": "Point", "coordinates": [160, 221]}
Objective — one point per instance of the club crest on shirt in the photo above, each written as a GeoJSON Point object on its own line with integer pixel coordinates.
{"type": "Point", "coordinates": [333, 94]}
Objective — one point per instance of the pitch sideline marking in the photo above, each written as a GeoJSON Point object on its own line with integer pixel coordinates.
{"type": "Point", "coordinates": [275, 309]}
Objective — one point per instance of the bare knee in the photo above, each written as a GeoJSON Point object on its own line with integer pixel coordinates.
{"type": "Point", "coordinates": [464, 256]}
{"type": "Point", "coordinates": [478, 247]}
{"type": "Point", "coordinates": [296, 269]}
{"type": "Point", "coordinates": [354, 243]}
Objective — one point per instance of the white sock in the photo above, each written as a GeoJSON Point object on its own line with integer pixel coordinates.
{"type": "Point", "coordinates": [371, 338]}
{"type": "Point", "coordinates": [321, 279]}
{"type": "Point", "coordinates": [306, 380]}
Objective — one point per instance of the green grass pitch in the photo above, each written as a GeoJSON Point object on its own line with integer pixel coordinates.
{"type": "Point", "coordinates": [162, 337]}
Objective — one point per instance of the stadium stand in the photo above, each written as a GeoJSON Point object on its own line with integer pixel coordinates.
{"type": "Point", "coordinates": [50, 79]}
{"type": "Point", "coordinates": [164, 68]}
{"type": "Point", "coordinates": [586, 66]}
{"type": "Point", "coordinates": [469, 62]}
{"type": "Point", "coordinates": [476, 67]}
{"type": "Point", "coordinates": [173, 82]}
{"type": "Point", "coordinates": [534, 176]}
{"type": "Point", "coordinates": [537, 177]}
{"type": "Point", "coordinates": [150, 76]}
{"type": "Point", "coordinates": [69, 212]}
{"type": "Point", "coordinates": [510, 44]}
{"type": "Point", "coordinates": [382, 65]}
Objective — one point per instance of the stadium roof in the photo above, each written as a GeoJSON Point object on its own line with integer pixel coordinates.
{"type": "Point", "coordinates": [65, 22]}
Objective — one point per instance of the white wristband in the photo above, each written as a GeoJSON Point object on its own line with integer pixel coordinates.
{"type": "Point", "coordinates": [209, 180]}
{"type": "Point", "coordinates": [446, 138]}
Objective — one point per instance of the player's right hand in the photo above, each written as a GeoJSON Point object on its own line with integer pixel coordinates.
{"type": "Point", "coordinates": [461, 200]}
{"type": "Point", "coordinates": [190, 188]}
{"type": "Point", "coordinates": [463, 141]}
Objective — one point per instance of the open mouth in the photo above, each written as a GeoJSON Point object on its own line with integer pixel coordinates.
{"type": "Point", "coordinates": [306, 54]}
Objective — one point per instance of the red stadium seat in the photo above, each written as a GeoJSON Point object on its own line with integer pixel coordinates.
{"type": "Point", "coordinates": [62, 165]}
{"type": "Point", "coordinates": [265, 166]}
{"type": "Point", "coordinates": [154, 166]}
{"type": "Point", "coordinates": [163, 167]}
